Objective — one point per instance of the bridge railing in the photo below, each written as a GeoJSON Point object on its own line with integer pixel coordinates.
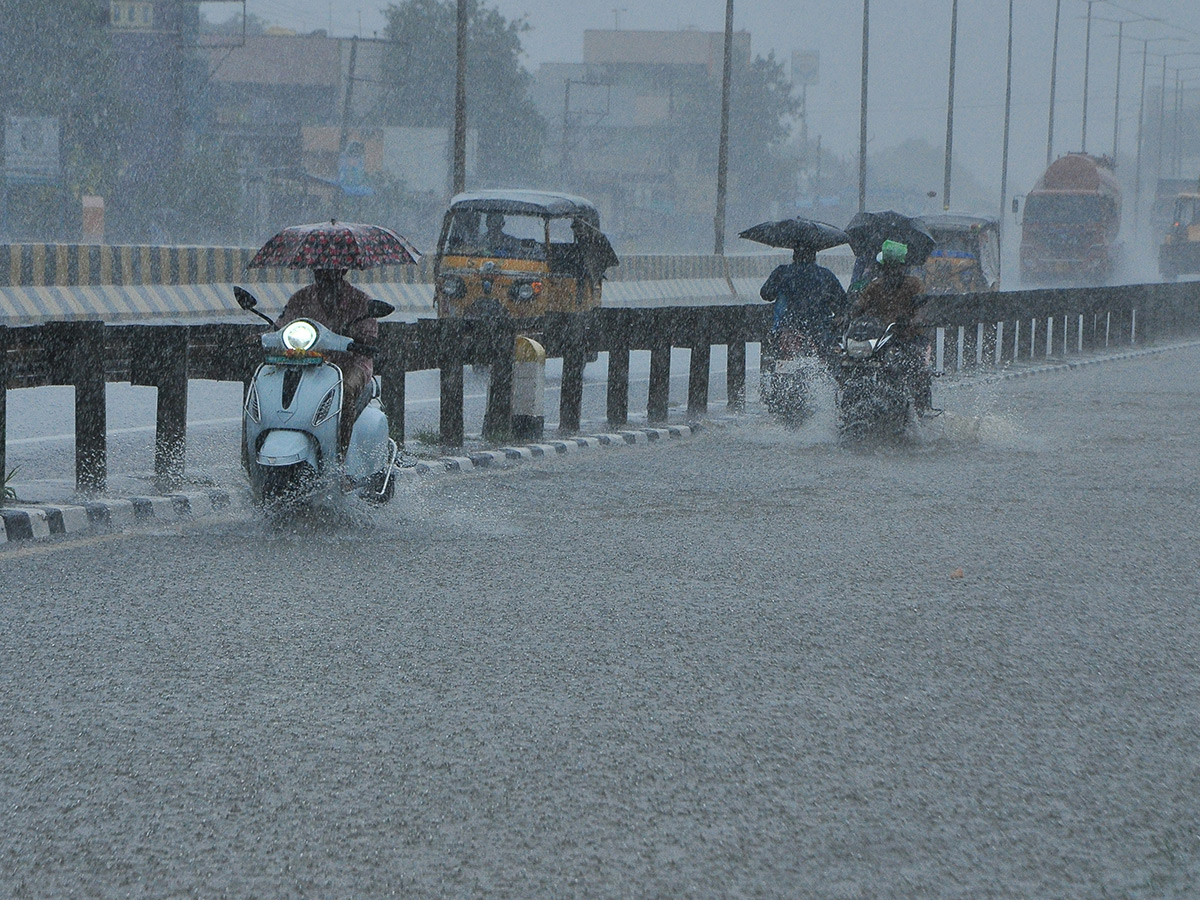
{"type": "Point", "coordinates": [970, 331]}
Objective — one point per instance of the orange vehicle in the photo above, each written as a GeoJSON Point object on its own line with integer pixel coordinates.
{"type": "Point", "coordinates": [1071, 222]}
{"type": "Point", "coordinates": [519, 253]}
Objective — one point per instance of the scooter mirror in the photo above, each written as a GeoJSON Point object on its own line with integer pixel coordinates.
{"type": "Point", "coordinates": [245, 299]}
{"type": "Point", "coordinates": [378, 309]}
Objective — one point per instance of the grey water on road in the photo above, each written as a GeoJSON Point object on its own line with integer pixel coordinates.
{"type": "Point", "coordinates": [750, 664]}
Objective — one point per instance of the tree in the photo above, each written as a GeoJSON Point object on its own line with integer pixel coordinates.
{"type": "Point", "coordinates": [761, 169]}
{"type": "Point", "coordinates": [419, 68]}
{"type": "Point", "coordinates": [59, 62]}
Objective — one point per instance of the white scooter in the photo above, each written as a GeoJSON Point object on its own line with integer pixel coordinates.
{"type": "Point", "coordinates": [291, 415]}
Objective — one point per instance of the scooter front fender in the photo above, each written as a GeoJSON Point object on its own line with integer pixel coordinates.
{"type": "Point", "coordinates": [286, 448]}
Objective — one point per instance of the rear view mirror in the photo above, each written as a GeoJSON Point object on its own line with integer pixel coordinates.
{"type": "Point", "coordinates": [245, 299]}
{"type": "Point", "coordinates": [1016, 205]}
{"type": "Point", "coordinates": [378, 309]}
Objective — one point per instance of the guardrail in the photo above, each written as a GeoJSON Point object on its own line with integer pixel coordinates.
{"type": "Point", "coordinates": [972, 331]}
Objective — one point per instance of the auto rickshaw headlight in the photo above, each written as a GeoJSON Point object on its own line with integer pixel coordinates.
{"type": "Point", "coordinates": [299, 335]}
{"type": "Point", "coordinates": [453, 287]}
{"type": "Point", "coordinates": [525, 290]}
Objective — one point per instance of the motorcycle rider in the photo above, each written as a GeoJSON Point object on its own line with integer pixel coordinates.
{"type": "Point", "coordinates": [892, 296]}
{"type": "Point", "coordinates": [343, 309]}
{"type": "Point", "coordinates": [807, 297]}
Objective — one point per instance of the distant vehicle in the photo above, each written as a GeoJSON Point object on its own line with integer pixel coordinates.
{"type": "Point", "coordinates": [966, 258]}
{"type": "Point", "coordinates": [1179, 253]}
{"type": "Point", "coordinates": [1071, 222]}
{"type": "Point", "coordinates": [519, 253]}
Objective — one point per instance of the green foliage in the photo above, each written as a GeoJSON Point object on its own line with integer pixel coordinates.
{"type": "Point", "coordinates": [420, 70]}
{"type": "Point", "coordinates": [10, 493]}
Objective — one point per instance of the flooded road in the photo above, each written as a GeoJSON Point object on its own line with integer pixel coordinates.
{"type": "Point", "coordinates": [749, 664]}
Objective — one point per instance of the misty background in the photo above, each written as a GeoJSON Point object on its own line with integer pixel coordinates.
{"type": "Point", "coordinates": [167, 168]}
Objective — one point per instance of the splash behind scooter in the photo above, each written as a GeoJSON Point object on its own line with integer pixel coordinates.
{"type": "Point", "coordinates": [292, 412]}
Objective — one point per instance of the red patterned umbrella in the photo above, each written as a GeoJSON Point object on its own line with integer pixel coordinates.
{"type": "Point", "coordinates": [334, 245]}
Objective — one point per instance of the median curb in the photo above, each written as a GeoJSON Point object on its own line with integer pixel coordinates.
{"type": "Point", "coordinates": [506, 457]}
{"type": "Point", "coordinates": [38, 521]}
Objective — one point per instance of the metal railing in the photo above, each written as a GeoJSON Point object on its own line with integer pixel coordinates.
{"type": "Point", "coordinates": [974, 331]}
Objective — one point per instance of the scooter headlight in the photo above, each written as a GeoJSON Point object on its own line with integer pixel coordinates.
{"type": "Point", "coordinates": [859, 349]}
{"type": "Point", "coordinates": [299, 335]}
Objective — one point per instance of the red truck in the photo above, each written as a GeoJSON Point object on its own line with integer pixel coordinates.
{"type": "Point", "coordinates": [1072, 218]}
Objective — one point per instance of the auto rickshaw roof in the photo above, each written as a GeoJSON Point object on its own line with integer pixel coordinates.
{"type": "Point", "coordinates": [526, 202]}
{"type": "Point", "coordinates": [951, 222]}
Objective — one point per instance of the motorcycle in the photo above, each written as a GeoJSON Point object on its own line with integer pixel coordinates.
{"type": "Point", "coordinates": [791, 360]}
{"type": "Point", "coordinates": [881, 380]}
{"type": "Point", "coordinates": [292, 412]}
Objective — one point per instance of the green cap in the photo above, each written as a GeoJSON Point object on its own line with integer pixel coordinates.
{"type": "Point", "coordinates": [892, 252]}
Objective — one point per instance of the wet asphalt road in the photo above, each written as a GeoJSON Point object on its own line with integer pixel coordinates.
{"type": "Point", "coordinates": [735, 666]}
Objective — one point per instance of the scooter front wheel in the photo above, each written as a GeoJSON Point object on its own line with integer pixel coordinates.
{"type": "Point", "coordinates": [287, 484]}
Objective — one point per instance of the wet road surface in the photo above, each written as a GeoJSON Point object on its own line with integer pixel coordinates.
{"type": "Point", "coordinates": [741, 665]}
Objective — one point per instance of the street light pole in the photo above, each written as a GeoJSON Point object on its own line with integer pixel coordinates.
{"type": "Point", "coordinates": [862, 116]}
{"type": "Point", "coordinates": [1007, 116]}
{"type": "Point", "coordinates": [1137, 177]}
{"type": "Point", "coordinates": [1053, 82]}
{"type": "Point", "coordinates": [1087, 62]}
{"type": "Point", "coordinates": [460, 100]}
{"type": "Point", "coordinates": [950, 103]}
{"type": "Point", "coordinates": [1117, 103]}
{"type": "Point", "coordinates": [723, 143]}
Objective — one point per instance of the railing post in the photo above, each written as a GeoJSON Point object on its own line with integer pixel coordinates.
{"type": "Point", "coordinates": [660, 382]}
{"type": "Point", "coordinates": [1133, 326]}
{"type": "Point", "coordinates": [91, 414]}
{"type": "Point", "coordinates": [939, 352]}
{"type": "Point", "coordinates": [389, 366]}
{"type": "Point", "coordinates": [979, 345]}
{"type": "Point", "coordinates": [170, 431]}
{"type": "Point", "coordinates": [450, 362]}
{"type": "Point", "coordinates": [574, 359]}
{"type": "Point", "coordinates": [497, 419]}
{"type": "Point", "coordinates": [999, 344]}
{"type": "Point", "coordinates": [1049, 337]}
{"type": "Point", "coordinates": [699, 364]}
{"type": "Point", "coordinates": [735, 375]}
{"type": "Point", "coordinates": [959, 354]}
{"type": "Point", "coordinates": [617, 401]}
{"type": "Point", "coordinates": [3, 408]}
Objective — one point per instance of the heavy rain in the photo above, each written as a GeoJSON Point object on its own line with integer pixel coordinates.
{"type": "Point", "coordinates": [510, 448]}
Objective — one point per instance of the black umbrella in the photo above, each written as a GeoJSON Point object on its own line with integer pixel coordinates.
{"type": "Point", "coordinates": [796, 234]}
{"type": "Point", "coordinates": [868, 230]}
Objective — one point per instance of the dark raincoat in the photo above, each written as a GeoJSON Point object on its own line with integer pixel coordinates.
{"type": "Point", "coordinates": [806, 296]}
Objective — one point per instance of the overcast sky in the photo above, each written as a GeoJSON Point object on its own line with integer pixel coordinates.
{"type": "Point", "coordinates": [908, 62]}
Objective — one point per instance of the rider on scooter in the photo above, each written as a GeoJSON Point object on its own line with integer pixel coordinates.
{"type": "Point", "coordinates": [343, 309]}
{"type": "Point", "coordinates": [806, 296]}
{"type": "Point", "coordinates": [892, 296]}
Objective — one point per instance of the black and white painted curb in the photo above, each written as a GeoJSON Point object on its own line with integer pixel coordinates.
{"type": "Point", "coordinates": [505, 457]}
{"type": "Point", "coordinates": [23, 522]}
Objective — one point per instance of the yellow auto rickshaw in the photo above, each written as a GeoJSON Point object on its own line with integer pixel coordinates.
{"type": "Point", "coordinates": [1179, 253]}
{"type": "Point", "coordinates": [519, 252]}
{"type": "Point", "coordinates": [966, 256]}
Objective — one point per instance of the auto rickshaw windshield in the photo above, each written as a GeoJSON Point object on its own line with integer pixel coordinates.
{"type": "Point", "coordinates": [511, 235]}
